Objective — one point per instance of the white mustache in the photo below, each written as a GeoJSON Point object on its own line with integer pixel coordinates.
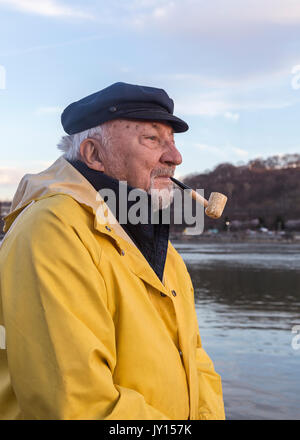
{"type": "Point", "coordinates": [163, 172]}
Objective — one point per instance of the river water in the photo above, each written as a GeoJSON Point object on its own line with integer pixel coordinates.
{"type": "Point", "coordinates": [247, 299]}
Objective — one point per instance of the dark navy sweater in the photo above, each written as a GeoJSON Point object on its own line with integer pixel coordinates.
{"type": "Point", "coordinates": [151, 239]}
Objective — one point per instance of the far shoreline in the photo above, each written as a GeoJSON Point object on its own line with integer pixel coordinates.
{"type": "Point", "coordinates": [237, 237]}
{"type": "Point", "coordinates": [232, 237]}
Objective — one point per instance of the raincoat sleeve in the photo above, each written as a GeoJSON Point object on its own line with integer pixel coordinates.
{"type": "Point", "coordinates": [60, 334]}
{"type": "Point", "coordinates": [211, 405]}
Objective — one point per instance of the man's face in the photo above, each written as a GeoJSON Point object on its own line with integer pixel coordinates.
{"type": "Point", "coordinates": [141, 153]}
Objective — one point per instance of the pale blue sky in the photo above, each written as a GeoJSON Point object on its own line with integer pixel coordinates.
{"type": "Point", "coordinates": [227, 64]}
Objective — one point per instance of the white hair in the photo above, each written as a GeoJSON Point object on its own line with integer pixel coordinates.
{"type": "Point", "coordinates": [70, 144]}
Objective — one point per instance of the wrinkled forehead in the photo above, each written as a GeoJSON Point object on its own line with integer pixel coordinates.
{"type": "Point", "coordinates": [136, 125]}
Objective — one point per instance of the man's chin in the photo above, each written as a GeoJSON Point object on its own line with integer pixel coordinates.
{"type": "Point", "coordinates": [161, 198]}
{"type": "Point", "coordinates": [162, 184]}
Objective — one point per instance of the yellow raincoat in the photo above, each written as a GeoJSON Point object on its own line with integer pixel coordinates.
{"type": "Point", "coordinates": [87, 329]}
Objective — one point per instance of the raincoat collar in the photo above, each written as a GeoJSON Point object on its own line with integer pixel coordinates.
{"type": "Point", "coordinates": [62, 178]}
{"type": "Point", "coordinates": [151, 238]}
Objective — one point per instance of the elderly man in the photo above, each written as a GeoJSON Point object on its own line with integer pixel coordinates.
{"type": "Point", "coordinates": [97, 318]}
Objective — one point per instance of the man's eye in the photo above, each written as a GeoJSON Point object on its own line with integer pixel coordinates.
{"type": "Point", "coordinates": [152, 138]}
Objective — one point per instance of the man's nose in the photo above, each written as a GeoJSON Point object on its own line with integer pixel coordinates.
{"type": "Point", "coordinates": [171, 155]}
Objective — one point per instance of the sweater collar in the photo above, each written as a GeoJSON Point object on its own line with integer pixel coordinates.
{"type": "Point", "coordinates": [150, 238]}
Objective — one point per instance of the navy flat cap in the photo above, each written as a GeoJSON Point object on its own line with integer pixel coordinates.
{"type": "Point", "coordinates": [121, 101]}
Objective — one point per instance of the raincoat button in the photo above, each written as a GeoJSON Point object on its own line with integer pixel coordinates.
{"type": "Point", "coordinates": [122, 252]}
{"type": "Point", "coordinates": [162, 294]}
{"type": "Point", "coordinates": [108, 228]}
{"type": "Point", "coordinates": [174, 293]}
{"type": "Point", "coordinates": [180, 352]}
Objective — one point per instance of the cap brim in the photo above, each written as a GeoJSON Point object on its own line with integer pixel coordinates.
{"type": "Point", "coordinates": [178, 125]}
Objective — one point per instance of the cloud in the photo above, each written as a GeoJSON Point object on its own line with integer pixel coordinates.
{"type": "Point", "coordinates": [49, 8]}
{"type": "Point", "coordinates": [12, 174]}
{"type": "Point", "coordinates": [226, 152]}
{"type": "Point", "coordinates": [232, 39]}
{"type": "Point", "coordinates": [210, 148]}
{"type": "Point", "coordinates": [216, 80]}
{"type": "Point", "coordinates": [239, 152]}
{"type": "Point", "coordinates": [51, 46]}
{"type": "Point", "coordinates": [196, 17]}
{"type": "Point", "coordinates": [202, 105]}
{"type": "Point", "coordinates": [216, 95]}
{"type": "Point", "coordinates": [228, 104]}
{"type": "Point", "coordinates": [232, 116]}
{"type": "Point", "coordinates": [49, 110]}
{"type": "Point", "coordinates": [199, 16]}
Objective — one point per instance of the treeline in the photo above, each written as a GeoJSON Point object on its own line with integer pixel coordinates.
{"type": "Point", "coordinates": [262, 193]}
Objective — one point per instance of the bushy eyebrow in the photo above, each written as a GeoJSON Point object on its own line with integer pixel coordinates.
{"type": "Point", "coordinates": [171, 133]}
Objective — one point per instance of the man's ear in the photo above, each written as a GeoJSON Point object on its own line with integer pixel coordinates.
{"type": "Point", "coordinates": [89, 152]}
